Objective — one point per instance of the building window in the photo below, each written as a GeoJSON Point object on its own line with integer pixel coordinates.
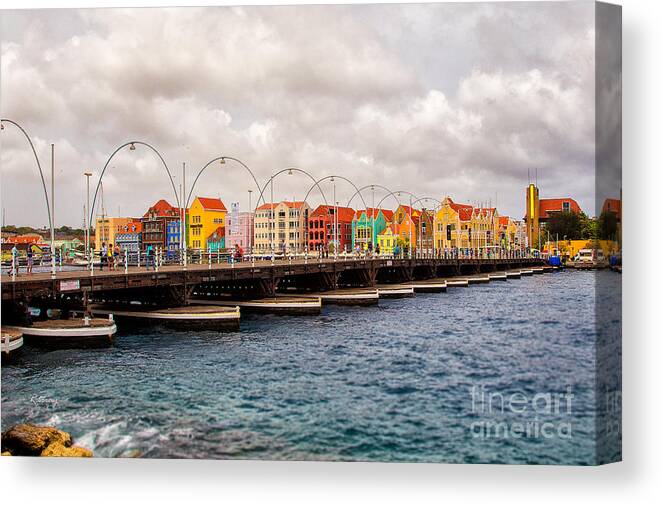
{"type": "Point", "coordinates": [565, 207]}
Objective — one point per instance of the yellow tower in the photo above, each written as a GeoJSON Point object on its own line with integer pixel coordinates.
{"type": "Point", "coordinates": [532, 215]}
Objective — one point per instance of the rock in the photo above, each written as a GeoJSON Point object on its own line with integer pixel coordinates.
{"type": "Point", "coordinates": [59, 450]}
{"type": "Point", "coordinates": [31, 440]}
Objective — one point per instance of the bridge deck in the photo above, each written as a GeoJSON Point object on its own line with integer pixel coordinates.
{"type": "Point", "coordinates": [76, 281]}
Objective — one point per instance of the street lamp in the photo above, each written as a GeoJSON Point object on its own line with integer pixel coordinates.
{"type": "Point", "coordinates": [87, 221]}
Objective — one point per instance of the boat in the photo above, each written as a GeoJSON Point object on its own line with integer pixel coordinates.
{"type": "Point", "coordinates": [188, 317]}
{"type": "Point", "coordinates": [71, 333]}
{"type": "Point", "coordinates": [11, 342]}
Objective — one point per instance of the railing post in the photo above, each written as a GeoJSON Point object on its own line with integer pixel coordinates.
{"type": "Point", "coordinates": [209, 252]}
{"type": "Point", "coordinates": [126, 261]}
{"type": "Point", "coordinates": [13, 267]}
{"type": "Point", "coordinates": [138, 256]}
{"type": "Point", "coordinates": [92, 263]}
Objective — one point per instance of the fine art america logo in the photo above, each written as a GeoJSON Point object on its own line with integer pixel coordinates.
{"type": "Point", "coordinates": [518, 415]}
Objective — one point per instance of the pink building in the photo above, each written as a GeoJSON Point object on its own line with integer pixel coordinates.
{"type": "Point", "coordinates": [239, 229]}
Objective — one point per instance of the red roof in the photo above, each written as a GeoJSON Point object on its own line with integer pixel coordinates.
{"type": "Point", "coordinates": [295, 205]}
{"type": "Point", "coordinates": [547, 205]}
{"type": "Point", "coordinates": [267, 206]}
{"type": "Point", "coordinates": [394, 228]}
{"type": "Point", "coordinates": [387, 214]}
{"type": "Point", "coordinates": [344, 214]}
{"type": "Point", "coordinates": [162, 209]}
{"type": "Point", "coordinates": [612, 205]}
{"type": "Point", "coordinates": [212, 204]}
{"type": "Point", "coordinates": [503, 220]}
{"type": "Point", "coordinates": [219, 232]}
{"type": "Point", "coordinates": [459, 206]}
{"type": "Point", "coordinates": [414, 213]}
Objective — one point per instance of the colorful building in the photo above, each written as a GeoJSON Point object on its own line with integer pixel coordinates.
{"type": "Point", "coordinates": [465, 227]}
{"type": "Point", "coordinates": [408, 219]}
{"type": "Point", "coordinates": [216, 241]}
{"type": "Point", "coordinates": [129, 237]}
{"type": "Point", "coordinates": [239, 229]}
{"type": "Point", "coordinates": [106, 229]}
{"type": "Point", "coordinates": [390, 239]}
{"type": "Point", "coordinates": [366, 221]}
{"type": "Point", "coordinates": [540, 210]}
{"type": "Point", "coordinates": [205, 215]}
{"type": "Point", "coordinates": [282, 231]}
{"type": "Point", "coordinates": [321, 231]}
{"type": "Point", "coordinates": [155, 225]}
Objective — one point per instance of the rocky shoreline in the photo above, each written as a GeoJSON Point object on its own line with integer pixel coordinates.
{"type": "Point", "coordinates": [31, 440]}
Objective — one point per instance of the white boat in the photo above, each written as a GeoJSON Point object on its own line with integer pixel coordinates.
{"type": "Point", "coordinates": [69, 333]}
{"type": "Point", "coordinates": [11, 341]}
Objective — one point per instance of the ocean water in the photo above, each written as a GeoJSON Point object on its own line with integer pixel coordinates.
{"type": "Point", "coordinates": [474, 375]}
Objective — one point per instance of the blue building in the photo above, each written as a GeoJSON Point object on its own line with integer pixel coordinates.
{"type": "Point", "coordinates": [129, 236]}
{"type": "Point", "coordinates": [172, 237]}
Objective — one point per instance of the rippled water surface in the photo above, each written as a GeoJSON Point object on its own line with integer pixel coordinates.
{"type": "Point", "coordinates": [395, 382]}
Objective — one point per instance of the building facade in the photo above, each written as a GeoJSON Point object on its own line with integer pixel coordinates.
{"type": "Point", "coordinates": [281, 227]}
{"type": "Point", "coordinates": [463, 226]}
{"type": "Point", "coordinates": [540, 210]}
{"type": "Point", "coordinates": [155, 225]}
{"type": "Point", "coordinates": [366, 222]}
{"type": "Point", "coordinates": [106, 229]}
{"type": "Point", "coordinates": [205, 215]}
{"type": "Point", "coordinates": [129, 236]}
{"type": "Point", "coordinates": [216, 241]}
{"type": "Point", "coordinates": [390, 241]}
{"type": "Point", "coordinates": [239, 229]}
{"type": "Point", "coordinates": [321, 231]}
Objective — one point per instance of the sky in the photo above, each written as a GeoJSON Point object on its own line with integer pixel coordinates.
{"type": "Point", "coordinates": [462, 100]}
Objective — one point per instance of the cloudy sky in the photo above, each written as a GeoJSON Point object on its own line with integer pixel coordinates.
{"type": "Point", "coordinates": [437, 99]}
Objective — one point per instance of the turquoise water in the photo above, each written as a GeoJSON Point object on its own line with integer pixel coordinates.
{"type": "Point", "coordinates": [395, 382]}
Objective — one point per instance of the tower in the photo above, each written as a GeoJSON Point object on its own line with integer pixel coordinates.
{"type": "Point", "coordinates": [532, 215]}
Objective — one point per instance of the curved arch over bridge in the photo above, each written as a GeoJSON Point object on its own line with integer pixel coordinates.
{"type": "Point", "coordinates": [337, 177]}
{"type": "Point", "coordinates": [132, 145]}
{"type": "Point", "coordinates": [222, 161]}
{"type": "Point", "coordinates": [270, 181]}
{"type": "Point", "coordinates": [41, 173]}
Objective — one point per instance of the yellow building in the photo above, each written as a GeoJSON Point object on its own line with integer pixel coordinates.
{"type": "Point", "coordinates": [407, 219]}
{"type": "Point", "coordinates": [464, 226]}
{"type": "Point", "coordinates": [205, 216]}
{"type": "Point", "coordinates": [570, 248]}
{"type": "Point", "coordinates": [106, 228]}
{"type": "Point", "coordinates": [388, 238]}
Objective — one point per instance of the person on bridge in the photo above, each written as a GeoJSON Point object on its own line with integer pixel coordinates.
{"type": "Point", "coordinates": [104, 255]}
{"type": "Point", "coordinates": [14, 261]}
{"type": "Point", "coordinates": [30, 260]}
{"type": "Point", "coordinates": [150, 257]}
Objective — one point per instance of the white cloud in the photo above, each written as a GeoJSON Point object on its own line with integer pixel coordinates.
{"type": "Point", "coordinates": [437, 99]}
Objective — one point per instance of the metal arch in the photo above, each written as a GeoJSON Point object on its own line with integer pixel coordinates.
{"type": "Point", "coordinates": [174, 189]}
{"type": "Point", "coordinates": [337, 177]}
{"type": "Point", "coordinates": [41, 173]}
{"type": "Point", "coordinates": [428, 198]}
{"type": "Point", "coordinates": [213, 161]}
{"type": "Point", "coordinates": [391, 193]}
{"type": "Point", "coordinates": [270, 180]}
{"type": "Point", "coordinates": [373, 186]}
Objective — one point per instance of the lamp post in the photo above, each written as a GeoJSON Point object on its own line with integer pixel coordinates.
{"type": "Point", "coordinates": [249, 233]}
{"type": "Point", "coordinates": [52, 203]}
{"type": "Point", "coordinates": [184, 238]}
{"type": "Point", "coordinates": [87, 225]}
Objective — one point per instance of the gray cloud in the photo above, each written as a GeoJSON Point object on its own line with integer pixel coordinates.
{"type": "Point", "coordinates": [458, 99]}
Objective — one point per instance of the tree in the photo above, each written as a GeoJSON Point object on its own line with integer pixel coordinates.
{"type": "Point", "coordinates": [608, 226]}
{"type": "Point", "coordinates": [566, 224]}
